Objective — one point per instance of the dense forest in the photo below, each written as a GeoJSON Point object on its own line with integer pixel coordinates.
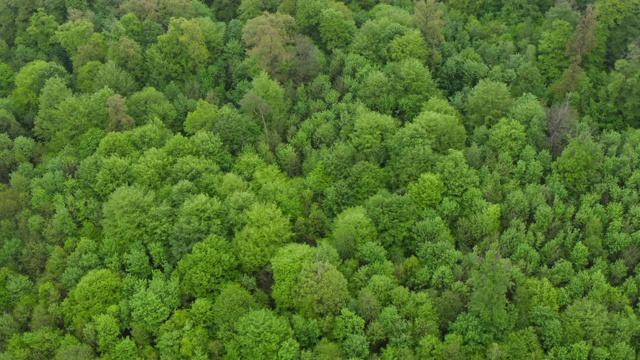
{"type": "Point", "coordinates": [315, 179]}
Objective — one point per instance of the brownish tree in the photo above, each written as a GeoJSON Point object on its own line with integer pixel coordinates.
{"type": "Point", "coordinates": [429, 21]}
{"type": "Point", "coordinates": [582, 41]}
{"type": "Point", "coordinates": [119, 120]}
{"type": "Point", "coordinates": [560, 119]}
{"type": "Point", "coordinates": [270, 41]}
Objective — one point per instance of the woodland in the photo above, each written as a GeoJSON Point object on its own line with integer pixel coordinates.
{"type": "Point", "coordinates": [316, 179]}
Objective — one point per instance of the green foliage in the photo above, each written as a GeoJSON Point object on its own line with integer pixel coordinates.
{"type": "Point", "coordinates": [351, 229]}
{"type": "Point", "coordinates": [336, 27]}
{"type": "Point", "coordinates": [488, 102]}
{"type": "Point", "coordinates": [427, 191]}
{"type": "Point", "coordinates": [286, 265]}
{"type": "Point", "coordinates": [187, 47]}
{"type": "Point", "coordinates": [148, 104]}
{"type": "Point", "coordinates": [321, 290]}
{"type": "Point", "coordinates": [507, 137]}
{"type": "Point", "coordinates": [266, 230]}
{"type": "Point", "coordinates": [444, 131]}
{"type": "Point", "coordinates": [258, 335]}
{"type": "Point", "coordinates": [578, 166]}
{"type": "Point", "coordinates": [71, 35]}
{"type": "Point", "coordinates": [205, 270]}
{"type": "Point", "coordinates": [312, 179]}
{"type": "Point", "coordinates": [94, 294]}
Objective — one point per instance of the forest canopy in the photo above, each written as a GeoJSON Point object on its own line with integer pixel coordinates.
{"type": "Point", "coordinates": [317, 179]}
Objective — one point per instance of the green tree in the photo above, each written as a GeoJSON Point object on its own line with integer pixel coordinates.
{"type": "Point", "coordinates": [30, 80]}
{"type": "Point", "coordinates": [115, 78]}
{"type": "Point", "coordinates": [370, 133]}
{"type": "Point", "coordinates": [197, 218]}
{"type": "Point", "coordinates": [188, 46]}
{"type": "Point", "coordinates": [321, 291]}
{"type": "Point", "coordinates": [125, 214]}
{"type": "Point", "coordinates": [108, 330]}
{"type": "Point", "coordinates": [258, 335]}
{"type": "Point", "coordinates": [148, 104]}
{"type": "Point", "coordinates": [427, 191]}
{"type": "Point", "coordinates": [287, 264]}
{"type": "Point", "coordinates": [94, 294]}
{"type": "Point", "coordinates": [444, 131]}
{"type": "Point", "coordinates": [232, 304]}
{"type": "Point", "coordinates": [409, 45]}
{"type": "Point", "coordinates": [266, 230]}
{"type": "Point", "coordinates": [153, 302]}
{"type": "Point", "coordinates": [578, 166]}
{"type": "Point", "coordinates": [207, 268]}
{"type": "Point", "coordinates": [39, 34]}
{"type": "Point", "coordinates": [265, 104]}
{"type": "Point", "coordinates": [336, 27]}
{"type": "Point", "coordinates": [71, 35]}
{"type": "Point", "coordinates": [552, 49]}
{"type": "Point", "coordinates": [528, 111]}
{"type": "Point", "coordinates": [351, 229]}
{"type": "Point", "coordinates": [488, 301]}
{"type": "Point", "coordinates": [488, 102]}
{"type": "Point", "coordinates": [507, 137]}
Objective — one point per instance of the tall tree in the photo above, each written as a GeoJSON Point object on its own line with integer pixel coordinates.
{"type": "Point", "coordinates": [269, 39]}
{"type": "Point", "coordinates": [429, 20]}
{"type": "Point", "coordinates": [582, 41]}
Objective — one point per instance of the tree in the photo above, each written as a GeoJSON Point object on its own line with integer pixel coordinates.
{"type": "Point", "coordinates": [552, 50]}
{"type": "Point", "coordinates": [488, 102]}
{"type": "Point", "coordinates": [445, 131]}
{"type": "Point", "coordinates": [528, 111]}
{"type": "Point", "coordinates": [560, 119]}
{"type": "Point", "coordinates": [370, 133]}
{"type": "Point", "coordinates": [287, 264]}
{"type": "Point", "coordinates": [93, 295]}
{"type": "Point", "coordinates": [351, 229]}
{"type": "Point", "coordinates": [269, 39]}
{"type": "Point", "coordinates": [413, 84]}
{"type": "Point", "coordinates": [146, 105]}
{"type": "Point", "coordinates": [409, 45]}
{"type": "Point", "coordinates": [258, 335]}
{"type": "Point", "coordinates": [188, 46]}
{"type": "Point", "coordinates": [125, 214]}
{"type": "Point", "coordinates": [119, 120]}
{"type": "Point", "coordinates": [265, 104]}
{"type": "Point", "coordinates": [71, 35]}
{"type": "Point", "coordinates": [108, 330]}
{"type": "Point", "coordinates": [127, 53]}
{"type": "Point", "coordinates": [427, 191]}
{"type": "Point", "coordinates": [115, 78]}
{"type": "Point", "coordinates": [488, 301]}
{"type": "Point", "coordinates": [54, 92]}
{"type": "Point", "coordinates": [197, 218]}
{"type": "Point", "coordinates": [582, 41]}
{"type": "Point", "coordinates": [30, 80]}
{"type": "Point", "coordinates": [507, 137]}
{"type": "Point", "coordinates": [336, 27]}
{"type": "Point", "coordinates": [266, 230]}
{"type": "Point", "coordinates": [587, 321]}
{"type": "Point", "coordinates": [578, 166]}
{"type": "Point", "coordinates": [153, 302]}
{"type": "Point", "coordinates": [207, 268]}
{"type": "Point", "coordinates": [321, 290]}
{"type": "Point", "coordinates": [429, 22]}
{"type": "Point", "coordinates": [233, 303]}
{"type": "Point", "coordinates": [39, 33]}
